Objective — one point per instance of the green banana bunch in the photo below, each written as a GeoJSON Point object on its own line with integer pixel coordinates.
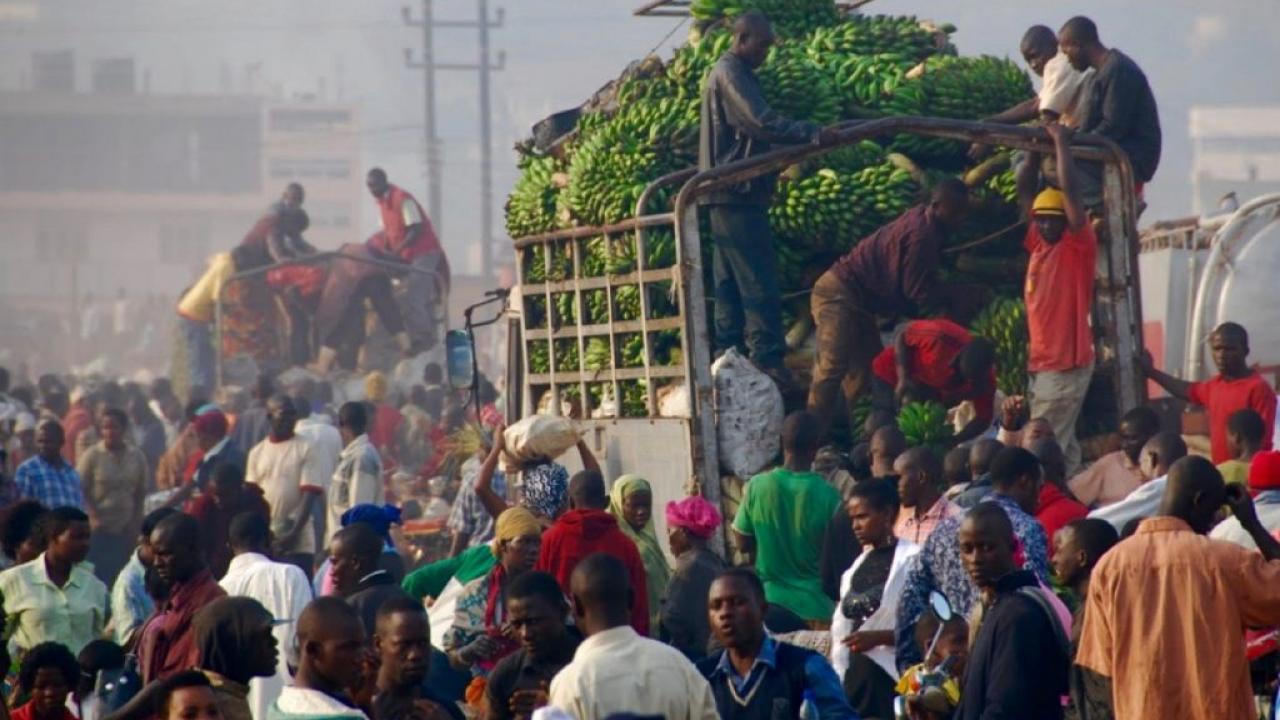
{"type": "Point", "coordinates": [796, 87]}
{"type": "Point", "coordinates": [1004, 323]}
{"type": "Point", "coordinates": [874, 34]}
{"type": "Point", "coordinates": [597, 356]}
{"type": "Point", "coordinates": [789, 17]}
{"type": "Point", "coordinates": [531, 207]}
{"type": "Point", "coordinates": [828, 212]}
{"type": "Point", "coordinates": [539, 357]}
{"type": "Point", "coordinates": [567, 355]}
{"type": "Point", "coordinates": [925, 425]}
{"type": "Point", "coordinates": [858, 414]}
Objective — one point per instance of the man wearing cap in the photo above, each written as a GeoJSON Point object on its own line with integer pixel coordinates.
{"type": "Point", "coordinates": [1264, 485]}
{"type": "Point", "coordinates": [216, 446]}
{"type": "Point", "coordinates": [684, 622]}
{"type": "Point", "coordinates": [1059, 294]}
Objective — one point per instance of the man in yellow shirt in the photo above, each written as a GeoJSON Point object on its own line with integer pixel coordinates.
{"type": "Point", "coordinates": [1245, 431]}
{"type": "Point", "coordinates": [195, 314]}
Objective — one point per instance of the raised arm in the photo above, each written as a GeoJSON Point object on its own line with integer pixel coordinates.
{"type": "Point", "coordinates": [493, 503]}
{"type": "Point", "coordinates": [1061, 134]}
{"type": "Point", "coordinates": [1177, 387]}
{"type": "Point", "coordinates": [589, 461]}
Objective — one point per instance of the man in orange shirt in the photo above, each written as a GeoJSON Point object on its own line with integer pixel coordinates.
{"type": "Point", "coordinates": [1059, 295]}
{"type": "Point", "coordinates": [1166, 609]}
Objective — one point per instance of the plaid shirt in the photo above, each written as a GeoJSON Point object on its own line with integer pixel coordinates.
{"type": "Point", "coordinates": [468, 515]}
{"type": "Point", "coordinates": [919, 530]}
{"type": "Point", "coordinates": [53, 485]}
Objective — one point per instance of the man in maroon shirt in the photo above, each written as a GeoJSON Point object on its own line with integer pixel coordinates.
{"type": "Point", "coordinates": [226, 497]}
{"type": "Point", "coordinates": [891, 273]}
{"type": "Point", "coordinates": [587, 529]}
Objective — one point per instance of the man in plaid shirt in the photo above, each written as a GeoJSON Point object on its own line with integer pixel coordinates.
{"type": "Point", "coordinates": [47, 477]}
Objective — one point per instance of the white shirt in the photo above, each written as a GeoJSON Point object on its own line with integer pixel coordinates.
{"type": "Point", "coordinates": [1141, 503]}
{"type": "Point", "coordinates": [618, 671]}
{"type": "Point", "coordinates": [286, 471]}
{"type": "Point", "coordinates": [356, 480]}
{"type": "Point", "coordinates": [1267, 503]}
{"type": "Point", "coordinates": [284, 591]}
{"type": "Point", "coordinates": [884, 618]}
{"type": "Point", "coordinates": [1064, 89]}
{"type": "Point", "coordinates": [324, 438]}
{"type": "Point", "coordinates": [313, 703]}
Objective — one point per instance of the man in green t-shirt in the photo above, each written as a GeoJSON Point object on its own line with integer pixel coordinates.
{"type": "Point", "coordinates": [782, 519]}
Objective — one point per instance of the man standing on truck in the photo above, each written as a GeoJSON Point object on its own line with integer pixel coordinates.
{"type": "Point", "coordinates": [1059, 295]}
{"type": "Point", "coordinates": [737, 123]}
{"type": "Point", "coordinates": [1120, 107]}
{"type": "Point", "coordinates": [891, 273]}
{"type": "Point", "coordinates": [407, 236]}
{"type": "Point", "coordinates": [1236, 387]}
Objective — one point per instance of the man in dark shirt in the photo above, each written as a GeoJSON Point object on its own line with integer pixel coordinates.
{"type": "Point", "coordinates": [1120, 105]}
{"type": "Point", "coordinates": [537, 612]}
{"type": "Point", "coordinates": [737, 123]}
{"type": "Point", "coordinates": [402, 643]}
{"type": "Point", "coordinates": [226, 497]}
{"type": "Point", "coordinates": [891, 273]}
{"type": "Point", "coordinates": [1018, 661]}
{"type": "Point", "coordinates": [355, 552]}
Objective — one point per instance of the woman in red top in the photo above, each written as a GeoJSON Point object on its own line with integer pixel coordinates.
{"type": "Point", "coordinates": [49, 672]}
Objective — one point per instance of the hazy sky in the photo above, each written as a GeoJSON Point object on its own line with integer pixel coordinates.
{"type": "Point", "coordinates": [559, 51]}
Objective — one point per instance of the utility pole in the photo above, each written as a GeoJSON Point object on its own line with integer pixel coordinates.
{"type": "Point", "coordinates": [484, 66]}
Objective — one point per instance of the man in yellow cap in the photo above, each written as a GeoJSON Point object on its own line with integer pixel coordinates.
{"type": "Point", "coordinates": [1059, 295]}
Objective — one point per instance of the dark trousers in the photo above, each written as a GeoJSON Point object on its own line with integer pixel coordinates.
{"type": "Point", "coordinates": [745, 273]}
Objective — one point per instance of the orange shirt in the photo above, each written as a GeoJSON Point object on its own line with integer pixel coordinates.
{"type": "Point", "coordinates": [1059, 295]}
{"type": "Point", "coordinates": [1165, 618]}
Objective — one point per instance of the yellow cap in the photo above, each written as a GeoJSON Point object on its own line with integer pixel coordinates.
{"type": "Point", "coordinates": [1049, 202]}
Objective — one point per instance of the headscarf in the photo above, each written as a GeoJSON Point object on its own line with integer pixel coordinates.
{"type": "Point", "coordinates": [1264, 471]}
{"type": "Point", "coordinates": [378, 517]}
{"type": "Point", "coordinates": [695, 516]}
{"type": "Point", "coordinates": [210, 421]}
{"type": "Point", "coordinates": [514, 522]}
{"type": "Point", "coordinates": [375, 387]}
{"type": "Point", "coordinates": [224, 635]}
{"type": "Point", "coordinates": [545, 488]}
{"type": "Point", "coordinates": [657, 574]}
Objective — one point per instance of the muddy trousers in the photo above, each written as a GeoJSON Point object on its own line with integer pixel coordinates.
{"type": "Point", "coordinates": [848, 340]}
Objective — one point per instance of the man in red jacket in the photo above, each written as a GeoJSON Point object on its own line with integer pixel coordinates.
{"type": "Point", "coordinates": [587, 529]}
{"type": "Point", "coordinates": [1056, 506]}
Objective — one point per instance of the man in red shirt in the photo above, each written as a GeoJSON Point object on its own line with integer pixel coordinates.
{"type": "Point", "coordinates": [407, 236]}
{"type": "Point", "coordinates": [891, 273]}
{"type": "Point", "coordinates": [1059, 295]}
{"type": "Point", "coordinates": [587, 529]}
{"type": "Point", "coordinates": [1236, 387]}
{"type": "Point", "coordinates": [937, 359]}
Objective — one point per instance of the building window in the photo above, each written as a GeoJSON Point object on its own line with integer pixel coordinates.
{"type": "Point", "coordinates": [286, 168]}
{"type": "Point", "coordinates": [183, 244]}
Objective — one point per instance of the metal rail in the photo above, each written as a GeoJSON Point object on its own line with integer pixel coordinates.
{"type": "Point", "coordinates": [315, 259]}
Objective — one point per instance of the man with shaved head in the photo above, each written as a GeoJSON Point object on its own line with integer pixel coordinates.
{"type": "Point", "coordinates": [1120, 107]}
{"type": "Point", "coordinates": [1167, 607]}
{"type": "Point", "coordinates": [1055, 506]}
{"type": "Point", "coordinates": [737, 123]}
{"type": "Point", "coordinates": [920, 485]}
{"type": "Point", "coordinates": [615, 670]}
{"type": "Point", "coordinates": [981, 453]}
{"type": "Point", "coordinates": [331, 660]}
{"type": "Point", "coordinates": [166, 644]}
{"type": "Point", "coordinates": [1158, 455]}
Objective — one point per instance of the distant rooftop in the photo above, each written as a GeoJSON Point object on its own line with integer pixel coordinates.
{"type": "Point", "coordinates": [1235, 121]}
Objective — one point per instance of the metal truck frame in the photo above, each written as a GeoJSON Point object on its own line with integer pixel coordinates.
{"type": "Point", "coordinates": [669, 451]}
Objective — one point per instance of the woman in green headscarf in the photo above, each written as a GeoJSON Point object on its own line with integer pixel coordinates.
{"type": "Point", "coordinates": [631, 502]}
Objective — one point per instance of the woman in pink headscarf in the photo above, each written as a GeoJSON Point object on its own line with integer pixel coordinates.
{"type": "Point", "coordinates": [690, 524]}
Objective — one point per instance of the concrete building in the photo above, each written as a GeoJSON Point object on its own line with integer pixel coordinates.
{"type": "Point", "coordinates": [1234, 149]}
{"type": "Point", "coordinates": [118, 189]}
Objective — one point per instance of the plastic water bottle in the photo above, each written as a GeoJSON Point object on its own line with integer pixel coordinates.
{"type": "Point", "coordinates": [808, 706]}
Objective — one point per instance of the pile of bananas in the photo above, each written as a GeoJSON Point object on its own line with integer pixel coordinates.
{"type": "Point", "coordinates": [924, 424]}
{"type": "Point", "coordinates": [1004, 323]}
{"type": "Point", "coordinates": [796, 87]}
{"type": "Point", "coordinates": [829, 211]}
{"type": "Point", "coordinates": [789, 17]}
{"type": "Point", "coordinates": [874, 34]}
{"type": "Point", "coordinates": [531, 207]}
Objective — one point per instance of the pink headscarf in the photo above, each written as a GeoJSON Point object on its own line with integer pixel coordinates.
{"type": "Point", "coordinates": [697, 516]}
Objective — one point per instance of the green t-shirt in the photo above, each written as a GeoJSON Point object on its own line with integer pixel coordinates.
{"type": "Point", "coordinates": [472, 563]}
{"type": "Point", "coordinates": [787, 513]}
{"type": "Point", "coordinates": [1235, 471]}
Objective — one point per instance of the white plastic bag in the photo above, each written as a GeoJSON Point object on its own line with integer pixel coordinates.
{"type": "Point", "coordinates": [537, 436]}
{"type": "Point", "coordinates": [749, 414]}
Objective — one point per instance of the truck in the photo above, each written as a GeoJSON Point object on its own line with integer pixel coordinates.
{"type": "Point", "coordinates": [657, 417]}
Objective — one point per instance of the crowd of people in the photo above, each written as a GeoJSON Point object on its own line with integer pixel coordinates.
{"type": "Point", "coordinates": [248, 558]}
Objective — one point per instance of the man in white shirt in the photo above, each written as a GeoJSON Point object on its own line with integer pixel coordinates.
{"type": "Point", "coordinates": [1160, 452]}
{"type": "Point", "coordinates": [281, 588]}
{"type": "Point", "coordinates": [331, 646]}
{"type": "Point", "coordinates": [616, 670]}
{"type": "Point", "coordinates": [291, 475]}
{"type": "Point", "coordinates": [327, 443]}
{"type": "Point", "coordinates": [1063, 90]}
{"type": "Point", "coordinates": [358, 477]}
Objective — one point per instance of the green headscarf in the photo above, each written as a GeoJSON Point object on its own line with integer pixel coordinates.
{"type": "Point", "coordinates": [646, 539]}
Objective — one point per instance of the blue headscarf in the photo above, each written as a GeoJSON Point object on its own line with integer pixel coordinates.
{"type": "Point", "coordinates": [378, 517]}
{"type": "Point", "coordinates": [545, 488]}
